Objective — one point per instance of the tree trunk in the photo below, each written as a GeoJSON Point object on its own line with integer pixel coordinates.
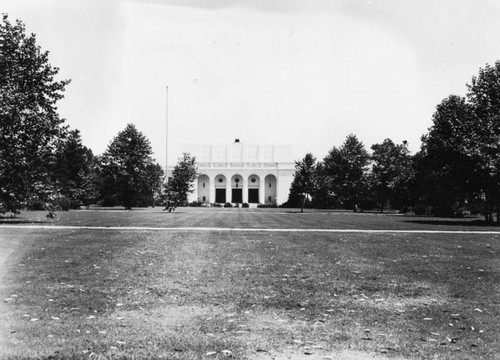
{"type": "Point", "coordinates": [303, 203]}
{"type": "Point", "coordinates": [487, 212]}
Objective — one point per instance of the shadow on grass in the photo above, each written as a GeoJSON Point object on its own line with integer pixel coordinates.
{"type": "Point", "coordinates": [461, 222]}
{"type": "Point", "coordinates": [314, 211]}
{"type": "Point", "coordinates": [14, 221]}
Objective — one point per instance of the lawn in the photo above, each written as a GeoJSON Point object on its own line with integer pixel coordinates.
{"type": "Point", "coordinates": [178, 294]}
{"type": "Point", "coordinates": [249, 218]}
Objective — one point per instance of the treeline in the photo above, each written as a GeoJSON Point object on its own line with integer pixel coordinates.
{"type": "Point", "coordinates": [125, 174]}
{"type": "Point", "coordinates": [456, 171]}
{"type": "Point", "coordinates": [43, 163]}
{"type": "Point", "coordinates": [351, 178]}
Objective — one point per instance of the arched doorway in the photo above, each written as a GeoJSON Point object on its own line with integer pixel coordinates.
{"type": "Point", "coordinates": [270, 189]}
{"type": "Point", "coordinates": [220, 189]}
{"type": "Point", "coordinates": [253, 189]}
{"type": "Point", "coordinates": [237, 189]}
{"type": "Point", "coordinates": [204, 189]}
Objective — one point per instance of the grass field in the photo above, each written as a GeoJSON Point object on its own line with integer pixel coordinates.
{"type": "Point", "coordinates": [84, 293]}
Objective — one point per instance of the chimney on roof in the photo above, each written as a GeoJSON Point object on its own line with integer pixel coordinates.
{"type": "Point", "coordinates": [236, 140]}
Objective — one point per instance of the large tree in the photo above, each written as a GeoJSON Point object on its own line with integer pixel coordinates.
{"type": "Point", "coordinates": [391, 174]}
{"type": "Point", "coordinates": [302, 186]}
{"type": "Point", "coordinates": [484, 138]}
{"type": "Point", "coordinates": [74, 170]}
{"type": "Point", "coordinates": [29, 123]}
{"type": "Point", "coordinates": [346, 167]}
{"type": "Point", "coordinates": [448, 165]}
{"type": "Point", "coordinates": [321, 197]}
{"type": "Point", "coordinates": [180, 184]}
{"type": "Point", "coordinates": [126, 170]}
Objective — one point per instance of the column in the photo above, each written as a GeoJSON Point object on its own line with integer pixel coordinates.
{"type": "Point", "coordinates": [211, 187]}
{"type": "Point", "coordinates": [262, 190]}
{"type": "Point", "coordinates": [277, 190]}
{"type": "Point", "coordinates": [245, 189]}
{"type": "Point", "coordinates": [195, 196]}
{"type": "Point", "coordinates": [229, 194]}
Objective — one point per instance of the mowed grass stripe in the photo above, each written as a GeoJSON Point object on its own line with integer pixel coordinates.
{"type": "Point", "coordinates": [142, 228]}
{"type": "Point", "coordinates": [242, 219]}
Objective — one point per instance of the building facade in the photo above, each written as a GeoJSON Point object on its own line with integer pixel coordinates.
{"type": "Point", "coordinates": [238, 173]}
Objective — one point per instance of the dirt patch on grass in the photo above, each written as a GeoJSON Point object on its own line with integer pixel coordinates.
{"type": "Point", "coordinates": [8, 245]}
{"type": "Point", "coordinates": [340, 355]}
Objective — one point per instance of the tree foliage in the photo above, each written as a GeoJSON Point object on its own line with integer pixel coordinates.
{"type": "Point", "coordinates": [447, 167]}
{"type": "Point", "coordinates": [303, 183]}
{"type": "Point", "coordinates": [391, 174]}
{"type": "Point", "coordinates": [484, 147]}
{"type": "Point", "coordinates": [127, 170]}
{"type": "Point", "coordinates": [29, 123]}
{"type": "Point", "coordinates": [346, 166]}
{"type": "Point", "coordinates": [74, 170]}
{"type": "Point", "coordinates": [461, 152]}
{"type": "Point", "coordinates": [181, 182]}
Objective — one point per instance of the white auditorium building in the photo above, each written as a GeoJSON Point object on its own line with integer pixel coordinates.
{"type": "Point", "coordinates": [239, 173]}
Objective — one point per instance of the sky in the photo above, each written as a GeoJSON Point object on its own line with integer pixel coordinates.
{"type": "Point", "coordinates": [305, 73]}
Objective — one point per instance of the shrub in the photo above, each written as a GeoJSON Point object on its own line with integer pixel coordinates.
{"type": "Point", "coordinates": [36, 205]}
{"type": "Point", "coordinates": [420, 209]}
{"type": "Point", "coordinates": [245, 205]}
{"type": "Point", "coordinates": [195, 204]}
{"type": "Point", "coordinates": [228, 205]}
{"type": "Point", "coordinates": [443, 210]}
{"type": "Point", "coordinates": [108, 201]}
{"type": "Point", "coordinates": [270, 205]}
{"type": "Point", "coordinates": [63, 203]}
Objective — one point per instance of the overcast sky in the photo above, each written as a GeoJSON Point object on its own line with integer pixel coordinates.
{"type": "Point", "coordinates": [304, 73]}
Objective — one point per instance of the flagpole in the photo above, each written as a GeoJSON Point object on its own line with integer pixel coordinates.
{"type": "Point", "coordinates": [166, 134]}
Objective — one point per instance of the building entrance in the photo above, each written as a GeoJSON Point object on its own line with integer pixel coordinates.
{"type": "Point", "coordinates": [253, 196]}
{"type": "Point", "coordinates": [237, 196]}
{"type": "Point", "coordinates": [220, 196]}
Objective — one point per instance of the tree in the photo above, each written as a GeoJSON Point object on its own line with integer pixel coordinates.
{"type": "Point", "coordinates": [73, 169]}
{"type": "Point", "coordinates": [321, 197]}
{"type": "Point", "coordinates": [126, 170]}
{"type": "Point", "coordinates": [391, 174]}
{"type": "Point", "coordinates": [181, 182]}
{"type": "Point", "coordinates": [346, 167]}
{"type": "Point", "coordinates": [449, 166]}
{"type": "Point", "coordinates": [155, 177]}
{"type": "Point", "coordinates": [29, 123]}
{"type": "Point", "coordinates": [303, 181]}
{"type": "Point", "coordinates": [484, 138]}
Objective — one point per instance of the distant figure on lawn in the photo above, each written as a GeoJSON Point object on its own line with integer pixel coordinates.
{"type": "Point", "coordinates": [170, 206]}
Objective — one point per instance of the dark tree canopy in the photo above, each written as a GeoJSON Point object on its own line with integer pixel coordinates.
{"type": "Point", "coordinates": [448, 169]}
{"type": "Point", "coordinates": [346, 167]}
{"type": "Point", "coordinates": [74, 170]}
{"type": "Point", "coordinates": [181, 182]}
{"type": "Point", "coordinates": [126, 170]}
{"type": "Point", "coordinates": [29, 123]}
{"type": "Point", "coordinates": [391, 174]}
{"type": "Point", "coordinates": [303, 181]}
{"type": "Point", "coordinates": [484, 146]}
{"type": "Point", "coordinates": [461, 153]}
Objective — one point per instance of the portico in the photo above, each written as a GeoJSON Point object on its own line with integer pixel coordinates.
{"type": "Point", "coordinates": [238, 173]}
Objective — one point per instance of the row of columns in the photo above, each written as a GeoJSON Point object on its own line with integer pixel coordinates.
{"type": "Point", "coordinates": [243, 184]}
{"type": "Point", "coordinates": [229, 190]}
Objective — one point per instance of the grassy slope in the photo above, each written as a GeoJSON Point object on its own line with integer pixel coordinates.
{"type": "Point", "coordinates": [187, 294]}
